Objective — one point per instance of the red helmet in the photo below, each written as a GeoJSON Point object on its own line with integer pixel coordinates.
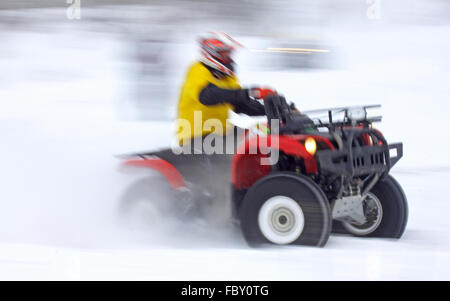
{"type": "Point", "coordinates": [216, 52]}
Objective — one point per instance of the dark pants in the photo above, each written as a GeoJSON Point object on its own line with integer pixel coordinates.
{"type": "Point", "coordinates": [207, 171]}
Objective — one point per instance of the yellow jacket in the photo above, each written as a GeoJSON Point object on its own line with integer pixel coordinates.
{"type": "Point", "coordinates": [196, 119]}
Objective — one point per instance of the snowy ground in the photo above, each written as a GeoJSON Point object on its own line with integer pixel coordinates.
{"type": "Point", "coordinates": [59, 220]}
{"type": "Point", "coordinates": [61, 125]}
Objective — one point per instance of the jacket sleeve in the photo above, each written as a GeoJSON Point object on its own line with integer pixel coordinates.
{"type": "Point", "coordinates": [213, 95]}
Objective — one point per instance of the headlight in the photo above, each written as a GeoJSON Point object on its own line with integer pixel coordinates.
{"type": "Point", "coordinates": [357, 113]}
{"type": "Point", "coordinates": [310, 145]}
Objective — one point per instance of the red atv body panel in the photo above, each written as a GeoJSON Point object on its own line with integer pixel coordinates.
{"type": "Point", "coordinates": [247, 167]}
{"type": "Point", "coordinates": [172, 175]}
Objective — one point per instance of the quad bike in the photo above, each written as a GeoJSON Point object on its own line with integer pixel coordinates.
{"type": "Point", "coordinates": [329, 176]}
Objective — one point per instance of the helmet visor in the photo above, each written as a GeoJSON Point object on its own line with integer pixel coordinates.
{"type": "Point", "coordinates": [225, 56]}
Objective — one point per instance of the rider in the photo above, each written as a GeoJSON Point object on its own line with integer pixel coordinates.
{"type": "Point", "coordinates": [212, 89]}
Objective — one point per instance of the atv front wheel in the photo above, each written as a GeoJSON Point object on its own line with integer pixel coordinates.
{"type": "Point", "coordinates": [386, 210]}
{"type": "Point", "coordinates": [285, 208]}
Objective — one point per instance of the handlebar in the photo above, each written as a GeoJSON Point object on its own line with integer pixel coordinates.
{"type": "Point", "coordinates": [289, 119]}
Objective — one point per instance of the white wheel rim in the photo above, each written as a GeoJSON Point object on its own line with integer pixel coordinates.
{"type": "Point", "coordinates": [281, 220]}
{"type": "Point", "coordinates": [367, 229]}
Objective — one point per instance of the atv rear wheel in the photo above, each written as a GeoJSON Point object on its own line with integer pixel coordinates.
{"type": "Point", "coordinates": [285, 208]}
{"type": "Point", "coordinates": [386, 211]}
{"type": "Point", "coordinates": [150, 201]}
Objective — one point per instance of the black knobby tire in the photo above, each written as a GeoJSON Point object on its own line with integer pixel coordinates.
{"type": "Point", "coordinates": [394, 210]}
{"type": "Point", "coordinates": [308, 195]}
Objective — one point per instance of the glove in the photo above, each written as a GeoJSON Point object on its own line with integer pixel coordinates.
{"type": "Point", "coordinates": [260, 93]}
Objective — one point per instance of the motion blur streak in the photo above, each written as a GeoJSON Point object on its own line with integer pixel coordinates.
{"type": "Point", "coordinates": [281, 51]}
{"type": "Point", "coordinates": [299, 49]}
